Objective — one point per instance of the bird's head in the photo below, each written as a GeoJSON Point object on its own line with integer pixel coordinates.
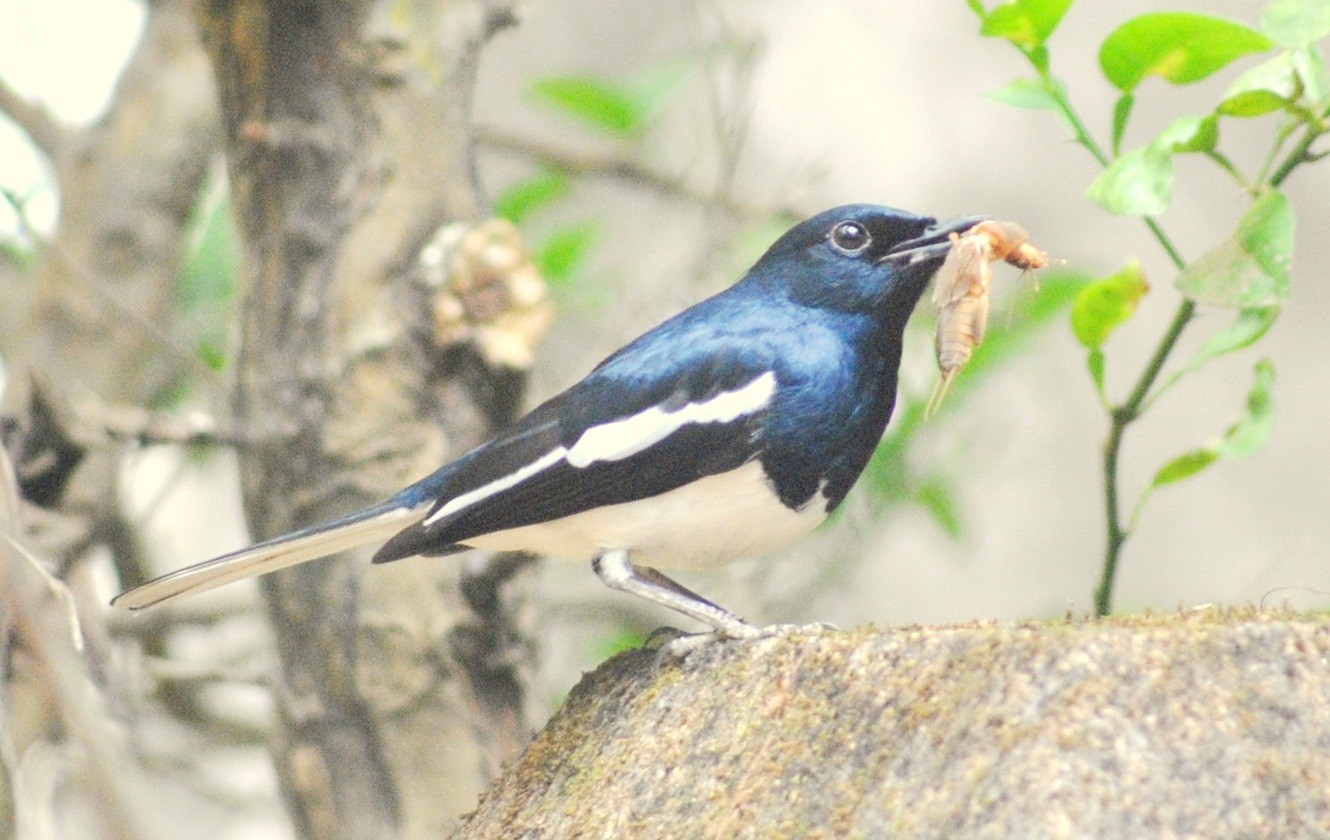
{"type": "Point", "coordinates": [860, 258]}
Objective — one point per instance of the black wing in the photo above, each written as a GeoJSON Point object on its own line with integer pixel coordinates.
{"type": "Point", "coordinates": [521, 477]}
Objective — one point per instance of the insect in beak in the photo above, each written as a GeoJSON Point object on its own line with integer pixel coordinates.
{"type": "Point", "coordinates": [960, 292]}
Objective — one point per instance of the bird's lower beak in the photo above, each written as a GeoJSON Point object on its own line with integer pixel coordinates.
{"type": "Point", "coordinates": [935, 242]}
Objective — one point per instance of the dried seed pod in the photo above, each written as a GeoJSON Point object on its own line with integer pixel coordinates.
{"type": "Point", "coordinates": [960, 293]}
{"type": "Point", "coordinates": [486, 290]}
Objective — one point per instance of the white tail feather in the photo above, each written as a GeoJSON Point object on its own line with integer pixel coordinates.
{"type": "Point", "coordinates": [269, 556]}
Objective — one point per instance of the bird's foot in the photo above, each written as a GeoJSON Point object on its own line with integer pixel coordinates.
{"type": "Point", "coordinates": [679, 645]}
{"type": "Point", "coordinates": [662, 636]}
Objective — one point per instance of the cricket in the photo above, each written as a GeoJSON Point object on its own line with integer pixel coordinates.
{"type": "Point", "coordinates": [960, 293]}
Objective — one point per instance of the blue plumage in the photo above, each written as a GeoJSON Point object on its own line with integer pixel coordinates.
{"type": "Point", "coordinates": [728, 429]}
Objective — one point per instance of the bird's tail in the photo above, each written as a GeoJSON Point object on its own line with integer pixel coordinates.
{"type": "Point", "coordinates": [372, 524]}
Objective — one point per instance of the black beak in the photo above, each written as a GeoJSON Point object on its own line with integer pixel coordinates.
{"type": "Point", "coordinates": [934, 243]}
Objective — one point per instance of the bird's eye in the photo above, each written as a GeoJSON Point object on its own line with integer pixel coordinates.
{"type": "Point", "coordinates": [850, 237]}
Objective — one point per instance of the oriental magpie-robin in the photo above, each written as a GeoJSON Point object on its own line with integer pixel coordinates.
{"type": "Point", "coordinates": [728, 430]}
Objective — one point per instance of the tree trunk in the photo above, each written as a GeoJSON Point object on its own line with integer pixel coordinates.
{"type": "Point", "coordinates": [96, 316]}
{"type": "Point", "coordinates": [349, 148]}
{"type": "Point", "coordinates": [101, 305]}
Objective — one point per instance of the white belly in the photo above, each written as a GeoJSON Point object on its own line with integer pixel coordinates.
{"type": "Point", "coordinates": [715, 520]}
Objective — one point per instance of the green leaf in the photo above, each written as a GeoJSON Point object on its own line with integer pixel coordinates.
{"type": "Point", "coordinates": [209, 270]}
{"type": "Point", "coordinates": [1253, 429]}
{"type": "Point", "coordinates": [1039, 59]}
{"type": "Point", "coordinates": [1251, 103]}
{"type": "Point", "coordinates": [617, 641]}
{"type": "Point", "coordinates": [1094, 362]}
{"type": "Point", "coordinates": [1138, 183]}
{"type": "Point", "coordinates": [1249, 268]}
{"type": "Point", "coordinates": [940, 502]}
{"type": "Point", "coordinates": [1185, 465]}
{"type": "Point", "coordinates": [211, 354]}
{"type": "Point", "coordinates": [1121, 113]}
{"type": "Point", "coordinates": [1245, 331]}
{"type": "Point", "coordinates": [1189, 134]}
{"type": "Point", "coordinates": [1242, 439]}
{"type": "Point", "coordinates": [1106, 304]}
{"type": "Point", "coordinates": [1296, 23]}
{"type": "Point", "coordinates": [1025, 93]}
{"type": "Point", "coordinates": [1311, 72]}
{"type": "Point", "coordinates": [1267, 87]}
{"type": "Point", "coordinates": [208, 278]}
{"type": "Point", "coordinates": [564, 251]}
{"type": "Point", "coordinates": [598, 103]}
{"type": "Point", "coordinates": [1180, 47]}
{"type": "Point", "coordinates": [1034, 93]}
{"type": "Point", "coordinates": [523, 198]}
{"type": "Point", "coordinates": [1026, 23]}
{"type": "Point", "coordinates": [1248, 434]}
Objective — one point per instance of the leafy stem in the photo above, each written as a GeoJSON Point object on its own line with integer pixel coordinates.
{"type": "Point", "coordinates": [1225, 164]}
{"type": "Point", "coordinates": [1301, 153]}
{"type": "Point", "coordinates": [1123, 415]}
{"type": "Point", "coordinates": [1068, 113]}
{"type": "Point", "coordinates": [1120, 418]}
{"type": "Point", "coordinates": [1247, 271]}
{"type": "Point", "coordinates": [1285, 131]}
{"type": "Point", "coordinates": [1082, 136]}
{"type": "Point", "coordinates": [1142, 393]}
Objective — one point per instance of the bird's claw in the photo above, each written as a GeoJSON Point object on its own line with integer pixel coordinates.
{"type": "Point", "coordinates": [662, 636]}
{"type": "Point", "coordinates": [681, 644]}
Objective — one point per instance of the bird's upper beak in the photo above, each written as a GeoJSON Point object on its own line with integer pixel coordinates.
{"type": "Point", "coordinates": [935, 242]}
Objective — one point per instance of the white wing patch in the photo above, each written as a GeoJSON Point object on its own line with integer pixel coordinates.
{"type": "Point", "coordinates": [498, 485]}
{"type": "Point", "coordinates": [624, 438]}
{"type": "Point", "coordinates": [629, 436]}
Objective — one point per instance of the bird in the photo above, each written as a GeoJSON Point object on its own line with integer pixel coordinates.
{"type": "Point", "coordinates": [729, 430]}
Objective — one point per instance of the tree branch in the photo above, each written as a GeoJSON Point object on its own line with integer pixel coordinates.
{"type": "Point", "coordinates": [33, 120]}
{"type": "Point", "coordinates": [49, 667]}
{"type": "Point", "coordinates": [581, 163]}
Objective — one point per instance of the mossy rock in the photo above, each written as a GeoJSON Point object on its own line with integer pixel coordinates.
{"type": "Point", "coordinates": [1205, 723]}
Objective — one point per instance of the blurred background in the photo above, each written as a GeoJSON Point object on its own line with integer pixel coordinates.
{"type": "Point", "coordinates": [757, 112]}
{"type": "Point", "coordinates": [843, 102]}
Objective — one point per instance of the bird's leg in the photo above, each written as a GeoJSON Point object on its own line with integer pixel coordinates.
{"type": "Point", "coordinates": [618, 572]}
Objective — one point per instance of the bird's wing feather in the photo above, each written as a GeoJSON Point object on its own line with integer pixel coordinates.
{"type": "Point", "coordinates": [612, 438]}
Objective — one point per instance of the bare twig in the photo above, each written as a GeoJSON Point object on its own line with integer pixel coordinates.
{"type": "Point", "coordinates": [38, 615]}
{"type": "Point", "coordinates": [33, 119]}
{"type": "Point", "coordinates": [203, 613]}
{"type": "Point", "coordinates": [730, 76]}
{"type": "Point", "coordinates": [96, 422]}
{"type": "Point", "coordinates": [582, 163]}
{"type": "Point", "coordinates": [188, 673]}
